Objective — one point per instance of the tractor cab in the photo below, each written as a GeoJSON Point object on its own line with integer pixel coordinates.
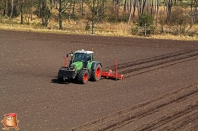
{"type": "Point", "coordinates": [82, 55]}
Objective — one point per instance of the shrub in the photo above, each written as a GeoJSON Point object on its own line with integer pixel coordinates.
{"type": "Point", "coordinates": [112, 19]}
{"type": "Point", "coordinates": [151, 30]}
{"type": "Point", "coordinates": [134, 30]}
{"type": "Point", "coordinates": [178, 21]}
{"type": "Point", "coordinates": [87, 27]}
{"type": "Point", "coordinates": [145, 21]}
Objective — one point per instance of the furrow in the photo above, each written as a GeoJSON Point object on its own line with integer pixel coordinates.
{"type": "Point", "coordinates": [146, 109]}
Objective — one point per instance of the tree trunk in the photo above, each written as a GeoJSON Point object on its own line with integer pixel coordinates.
{"type": "Point", "coordinates": [39, 8]}
{"type": "Point", "coordinates": [195, 8]}
{"type": "Point", "coordinates": [103, 7]}
{"type": "Point", "coordinates": [152, 7]}
{"type": "Point", "coordinates": [165, 5]}
{"type": "Point", "coordinates": [60, 15]}
{"type": "Point", "coordinates": [131, 6]}
{"type": "Point", "coordinates": [134, 7]}
{"type": "Point", "coordinates": [175, 3]}
{"type": "Point", "coordinates": [51, 3]}
{"type": "Point", "coordinates": [131, 1]}
{"type": "Point", "coordinates": [125, 8]}
{"type": "Point", "coordinates": [12, 5]}
{"type": "Point", "coordinates": [143, 6]}
{"type": "Point", "coordinates": [139, 6]}
{"type": "Point", "coordinates": [157, 11]}
{"type": "Point", "coordinates": [82, 9]}
{"type": "Point", "coordinates": [31, 10]}
{"type": "Point", "coordinates": [22, 11]}
{"type": "Point", "coordinates": [73, 9]}
{"type": "Point", "coordinates": [169, 8]}
{"type": "Point", "coordinates": [93, 10]}
{"type": "Point", "coordinates": [97, 10]}
{"type": "Point", "coordinates": [43, 12]}
{"type": "Point", "coordinates": [118, 8]}
{"type": "Point", "coordinates": [5, 11]}
{"type": "Point", "coordinates": [145, 29]}
{"type": "Point", "coordinates": [191, 16]}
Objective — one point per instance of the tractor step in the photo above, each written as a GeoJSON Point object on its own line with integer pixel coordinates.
{"type": "Point", "coordinates": [112, 75]}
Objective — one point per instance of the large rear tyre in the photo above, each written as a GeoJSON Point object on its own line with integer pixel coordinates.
{"type": "Point", "coordinates": [83, 76]}
{"type": "Point", "coordinates": [96, 74]}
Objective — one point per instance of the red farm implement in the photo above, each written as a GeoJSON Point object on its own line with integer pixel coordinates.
{"type": "Point", "coordinates": [113, 75]}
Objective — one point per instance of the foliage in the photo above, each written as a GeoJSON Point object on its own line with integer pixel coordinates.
{"type": "Point", "coordinates": [145, 21]}
{"type": "Point", "coordinates": [162, 20]}
{"type": "Point", "coordinates": [112, 19]}
{"type": "Point", "coordinates": [145, 18]}
{"type": "Point", "coordinates": [196, 21]}
{"type": "Point", "coordinates": [151, 29]}
{"type": "Point", "coordinates": [178, 21]}
{"type": "Point", "coordinates": [97, 10]}
{"type": "Point", "coordinates": [134, 30]}
{"type": "Point", "coordinates": [177, 15]}
{"type": "Point", "coordinates": [87, 27]}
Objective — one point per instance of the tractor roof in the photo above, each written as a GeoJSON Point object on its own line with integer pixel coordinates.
{"type": "Point", "coordinates": [83, 51]}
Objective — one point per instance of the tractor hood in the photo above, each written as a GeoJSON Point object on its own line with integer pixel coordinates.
{"type": "Point", "coordinates": [78, 65]}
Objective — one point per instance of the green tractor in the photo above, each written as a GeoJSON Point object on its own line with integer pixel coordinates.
{"type": "Point", "coordinates": [82, 67]}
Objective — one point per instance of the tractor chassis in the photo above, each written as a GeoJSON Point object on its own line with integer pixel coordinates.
{"type": "Point", "coordinates": [66, 73]}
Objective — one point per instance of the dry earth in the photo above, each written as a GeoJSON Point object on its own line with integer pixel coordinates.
{"type": "Point", "coordinates": [160, 91]}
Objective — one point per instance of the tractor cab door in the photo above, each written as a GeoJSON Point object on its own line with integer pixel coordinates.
{"type": "Point", "coordinates": [89, 60]}
{"type": "Point", "coordinates": [89, 57]}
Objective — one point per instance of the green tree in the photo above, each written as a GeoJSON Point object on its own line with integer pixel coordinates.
{"type": "Point", "coordinates": [145, 21]}
{"type": "Point", "coordinates": [45, 13]}
{"type": "Point", "coordinates": [62, 7]}
{"type": "Point", "coordinates": [97, 8]}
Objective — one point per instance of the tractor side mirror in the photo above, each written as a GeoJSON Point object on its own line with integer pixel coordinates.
{"type": "Point", "coordinates": [67, 55]}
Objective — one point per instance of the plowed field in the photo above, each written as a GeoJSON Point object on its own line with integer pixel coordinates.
{"type": "Point", "coordinates": [159, 92]}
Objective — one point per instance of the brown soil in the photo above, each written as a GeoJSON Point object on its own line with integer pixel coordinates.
{"type": "Point", "coordinates": [160, 91]}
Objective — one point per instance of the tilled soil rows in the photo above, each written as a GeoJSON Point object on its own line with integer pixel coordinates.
{"type": "Point", "coordinates": [139, 117]}
{"type": "Point", "coordinates": [156, 62]}
{"type": "Point", "coordinates": [159, 91]}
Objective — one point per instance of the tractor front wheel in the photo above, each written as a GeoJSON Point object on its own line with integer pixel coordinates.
{"type": "Point", "coordinates": [96, 74]}
{"type": "Point", "coordinates": [83, 76]}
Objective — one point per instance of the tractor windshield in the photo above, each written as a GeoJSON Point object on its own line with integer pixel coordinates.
{"type": "Point", "coordinates": [80, 57]}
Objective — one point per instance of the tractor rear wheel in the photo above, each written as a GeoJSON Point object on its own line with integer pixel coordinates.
{"type": "Point", "coordinates": [96, 74]}
{"type": "Point", "coordinates": [83, 76]}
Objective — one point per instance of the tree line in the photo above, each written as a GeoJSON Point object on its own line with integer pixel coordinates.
{"type": "Point", "coordinates": [146, 14]}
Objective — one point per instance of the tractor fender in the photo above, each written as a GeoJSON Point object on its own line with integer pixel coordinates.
{"type": "Point", "coordinates": [94, 64]}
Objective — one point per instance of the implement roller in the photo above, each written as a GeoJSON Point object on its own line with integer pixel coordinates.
{"type": "Point", "coordinates": [113, 75]}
